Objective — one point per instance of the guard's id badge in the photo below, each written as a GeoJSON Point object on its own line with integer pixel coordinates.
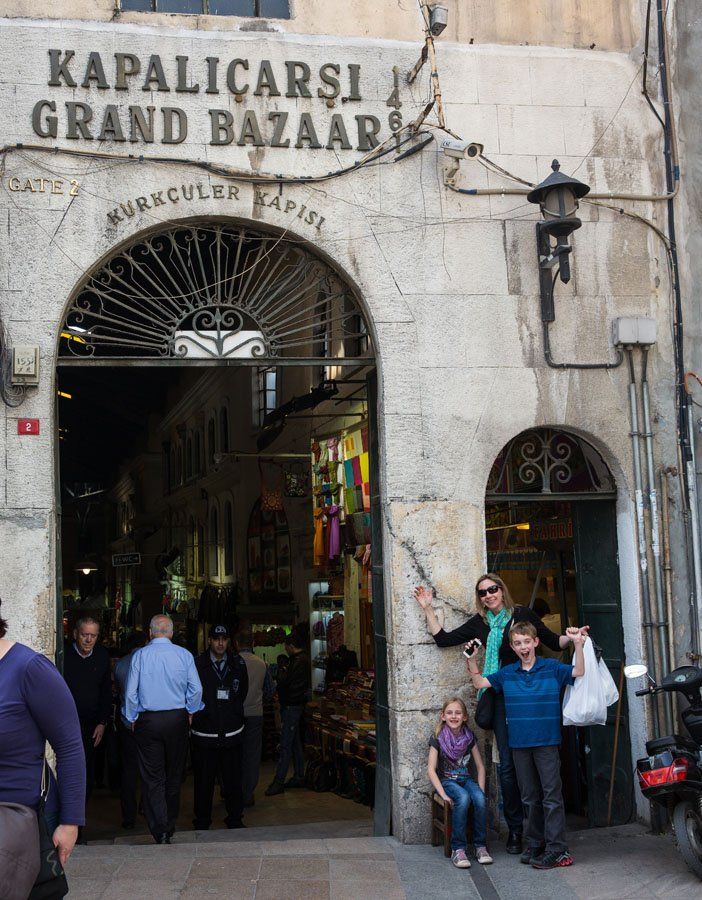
{"type": "Point", "coordinates": [222, 694]}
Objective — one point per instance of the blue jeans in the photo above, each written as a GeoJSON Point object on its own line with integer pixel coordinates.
{"type": "Point", "coordinates": [464, 795]}
{"type": "Point", "coordinates": [290, 743]}
{"type": "Point", "coordinates": [509, 787]}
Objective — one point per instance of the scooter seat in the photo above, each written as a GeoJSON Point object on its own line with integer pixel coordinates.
{"type": "Point", "coordinates": [668, 742]}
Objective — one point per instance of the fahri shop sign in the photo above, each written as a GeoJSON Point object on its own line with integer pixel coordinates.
{"type": "Point", "coordinates": [266, 112]}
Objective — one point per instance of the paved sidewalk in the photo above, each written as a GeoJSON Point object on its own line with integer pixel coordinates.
{"type": "Point", "coordinates": [624, 863]}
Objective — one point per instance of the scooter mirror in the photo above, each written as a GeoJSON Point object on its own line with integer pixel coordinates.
{"type": "Point", "coordinates": [637, 670]}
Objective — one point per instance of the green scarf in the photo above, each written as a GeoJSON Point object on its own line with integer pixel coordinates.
{"type": "Point", "coordinates": [497, 624]}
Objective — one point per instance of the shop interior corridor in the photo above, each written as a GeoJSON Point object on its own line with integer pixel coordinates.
{"type": "Point", "coordinates": [234, 494]}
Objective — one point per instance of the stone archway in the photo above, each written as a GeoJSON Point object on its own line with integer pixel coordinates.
{"type": "Point", "coordinates": [551, 533]}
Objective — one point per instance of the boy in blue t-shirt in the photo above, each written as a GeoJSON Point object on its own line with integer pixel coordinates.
{"type": "Point", "coordinates": [532, 689]}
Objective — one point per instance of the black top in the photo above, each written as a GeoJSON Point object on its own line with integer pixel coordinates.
{"type": "Point", "coordinates": [90, 682]}
{"type": "Point", "coordinates": [221, 717]}
{"type": "Point", "coordinates": [477, 627]}
{"type": "Point", "coordinates": [294, 684]}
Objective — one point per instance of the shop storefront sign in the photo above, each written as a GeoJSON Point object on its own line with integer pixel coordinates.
{"type": "Point", "coordinates": [126, 559]}
{"type": "Point", "coordinates": [252, 83]}
{"type": "Point", "coordinates": [551, 530]}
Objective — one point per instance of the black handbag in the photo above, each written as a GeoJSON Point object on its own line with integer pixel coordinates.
{"type": "Point", "coordinates": [51, 881]}
{"type": "Point", "coordinates": [485, 710]}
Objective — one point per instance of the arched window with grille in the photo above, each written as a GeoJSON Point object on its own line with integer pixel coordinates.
{"type": "Point", "coordinates": [200, 550]}
{"type": "Point", "coordinates": [211, 441]}
{"type": "Point", "coordinates": [224, 430]}
{"type": "Point", "coordinates": [197, 453]}
{"type": "Point", "coordinates": [214, 542]}
{"type": "Point", "coordinates": [190, 561]}
{"type": "Point", "coordinates": [228, 539]}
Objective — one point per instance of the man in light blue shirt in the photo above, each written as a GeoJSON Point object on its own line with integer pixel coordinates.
{"type": "Point", "coordinates": [163, 691]}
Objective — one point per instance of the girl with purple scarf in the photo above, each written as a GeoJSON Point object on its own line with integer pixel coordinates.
{"type": "Point", "coordinates": [450, 750]}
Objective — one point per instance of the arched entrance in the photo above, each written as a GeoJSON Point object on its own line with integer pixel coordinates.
{"type": "Point", "coordinates": [551, 533]}
{"type": "Point", "coordinates": [187, 358]}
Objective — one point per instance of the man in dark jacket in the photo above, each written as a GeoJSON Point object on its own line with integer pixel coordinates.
{"type": "Point", "coordinates": [293, 692]}
{"type": "Point", "coordinates": [217, 730]}
{"type": "Point", "coordinates": [86, 670]}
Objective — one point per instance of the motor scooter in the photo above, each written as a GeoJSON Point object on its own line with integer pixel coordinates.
{"type": "Point", "coordinates": [671, 774]}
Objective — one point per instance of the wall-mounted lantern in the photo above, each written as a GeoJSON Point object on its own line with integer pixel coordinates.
{"type": "Point", "coordinates": [558, 197]}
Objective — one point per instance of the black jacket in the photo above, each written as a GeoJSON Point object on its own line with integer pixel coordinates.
{"type": "Point", "coordinates": [221, 720]}
{"type": "Point", "coordinates": [476, 627]}
{"type": "Point", "coordinates": [294, 685]}
{"type": "Point", "coordinates": [90, 682]}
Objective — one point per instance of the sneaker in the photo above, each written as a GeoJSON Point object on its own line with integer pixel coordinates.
{"type": "Point", "coordinates": [460, 860]}
{"type": "Point", "coordinates": [532, 853]}
{"type": "Point", "coordinates": [553, 860]}
{"type": "Point", "coordinates": [483, 856]}
{"type": "Point", "coordinates": [275, 787]}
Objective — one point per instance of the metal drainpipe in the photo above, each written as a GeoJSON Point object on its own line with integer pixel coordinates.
{"type": "Point", "coordinates": [691, 466]}
{"type": "Point", "coordinates": [662, 623]}
{"type": "Point", "coordinates": [667, 567]}
{"type": "Point", "coordinates": [641, 533]}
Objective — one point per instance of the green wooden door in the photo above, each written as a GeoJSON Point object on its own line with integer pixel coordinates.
{"type": "Point", "coordinates": [599, 606]}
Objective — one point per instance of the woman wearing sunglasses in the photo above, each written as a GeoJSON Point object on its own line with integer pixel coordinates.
{"type": "Point", "coordinates": [496, 612]}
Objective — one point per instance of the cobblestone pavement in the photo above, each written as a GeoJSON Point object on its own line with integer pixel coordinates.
{"type": "Point", "coordinates": [624, 863]}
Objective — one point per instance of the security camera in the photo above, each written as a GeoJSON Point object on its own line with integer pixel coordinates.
{"type": "Point", "coordinates": [461, 149]}
{"type": "Point", "coordinates": [438, 19]}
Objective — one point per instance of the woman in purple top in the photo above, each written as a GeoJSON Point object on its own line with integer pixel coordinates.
{"type": "Point", "coordinates": [36, 706]}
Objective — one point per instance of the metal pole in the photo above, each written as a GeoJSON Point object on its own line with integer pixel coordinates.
{"type": "Point", "coordinates": [661, 610]}
{"type": "Point", "coordinates": [691, 466]}
{"type": "Point", "coordinates": [641, 533]}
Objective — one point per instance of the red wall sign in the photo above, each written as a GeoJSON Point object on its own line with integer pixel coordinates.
{"type": "Point", "coordinates": [27, 426]}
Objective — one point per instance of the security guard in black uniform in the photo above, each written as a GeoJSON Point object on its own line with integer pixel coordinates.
{"type": "Point", "coordinates": [217, 730]}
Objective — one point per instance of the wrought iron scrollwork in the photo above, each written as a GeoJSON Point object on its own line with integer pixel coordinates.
{"type": "Point", "coordinates": [213, 290]}
{"type": "Point", "coordinates": [546, 461]}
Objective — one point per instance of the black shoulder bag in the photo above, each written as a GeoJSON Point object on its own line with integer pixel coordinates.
{"type": "Point", "coordinates": [51, 881]}
{"type": "Point", "coordinates": [485, 710]}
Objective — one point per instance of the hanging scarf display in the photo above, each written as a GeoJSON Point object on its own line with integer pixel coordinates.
{"type": "Point", "coordinates": [318, 547]}
{"type": "Point", "coordinates": [333, 532]}
{"type": "Point", "coordinates": [455, 746]}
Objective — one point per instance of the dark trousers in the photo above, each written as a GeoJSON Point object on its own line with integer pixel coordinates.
{"type": "Point", "coordinates": [509, 786]}
{"type": "Point", "coordinates": [251, 762]}
{"type": "Point", "coordinates": [210, 761]}
{"type": "Point", "coordinates": [130, 773]}
{"type": "Point", "coordinates": [86, 733]}
{"type": "Point", "coordinates": [290, 743]}
{"type": "Point", "coordinates": [162, 744]}
{"type": "Point", "coordinates": [539, 774]}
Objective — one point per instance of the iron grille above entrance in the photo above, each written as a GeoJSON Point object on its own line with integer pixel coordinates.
{"type": "Point", "coordinates": [217, 291]}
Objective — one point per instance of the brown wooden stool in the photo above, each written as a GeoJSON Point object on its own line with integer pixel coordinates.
{"type": "Point", "coordinates": [441, 824]}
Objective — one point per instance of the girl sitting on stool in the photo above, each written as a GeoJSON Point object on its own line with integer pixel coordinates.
{"type": "Point", "coordinates": [450, 749]}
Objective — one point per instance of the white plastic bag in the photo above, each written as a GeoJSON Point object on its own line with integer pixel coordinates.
{"type": "Point", "coordinates": [584, 703]}
{"type": "Point", "coordinates": [611, 694]}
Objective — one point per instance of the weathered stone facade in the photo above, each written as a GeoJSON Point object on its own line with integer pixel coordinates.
{"type": "Point", "coordinates": [449, 281]}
